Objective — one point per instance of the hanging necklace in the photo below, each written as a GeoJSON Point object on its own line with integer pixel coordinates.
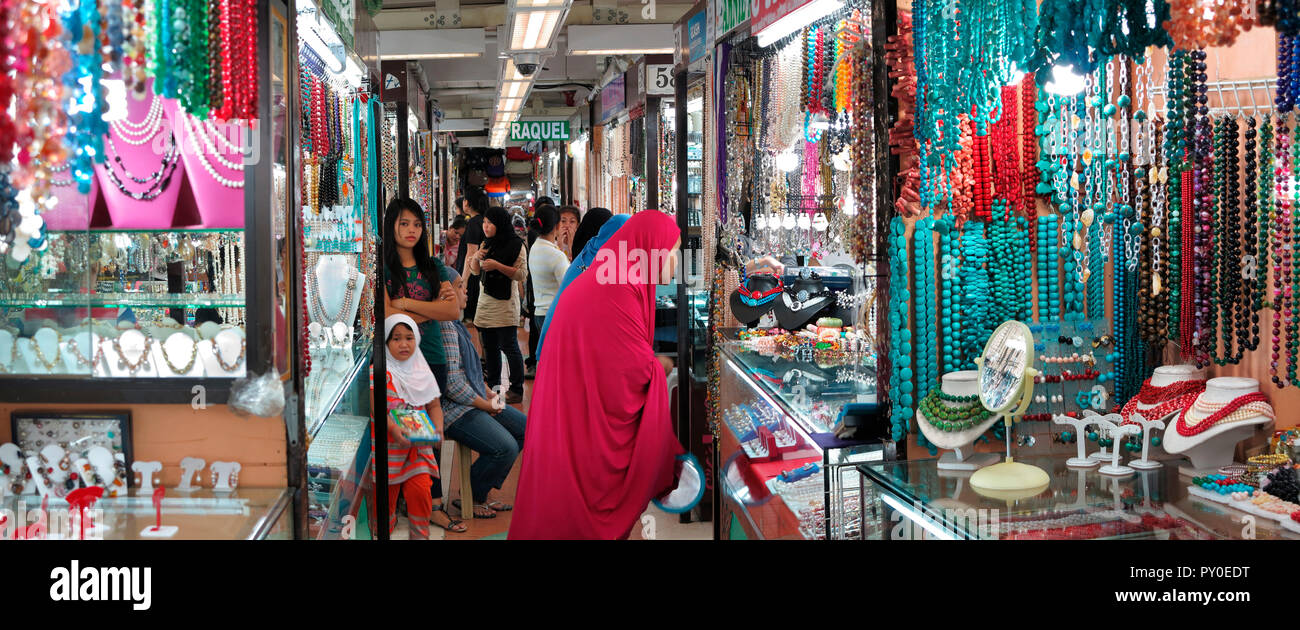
{"type": "Point", "coordinates": [81, 359]}
{"type": "Point", "coordinates": [157, 182]}
{"type": "Point", "coordinates": [141, 361]}
{"type": "Point", "coordinates": [216, 352]}
{"type": "Point", "coordinates": [1203, 415]}
{"type": "Point", "coordinates": [40, 356]}
{"type": "Point", "coordinates": [141, 133]}
{"type": "Point", "coordinates": [209, 150]}
{"type": "Point", "coordinates": [194, 353]}
{"type": "Point", "coordinates": [961, 416]}
{"type": "Point", "coordinates": [1281, 246]}
{"type": "Point", "coordinates": [319, 308]}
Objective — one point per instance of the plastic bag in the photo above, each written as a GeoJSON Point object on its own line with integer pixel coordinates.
{"type": "Point", "coordinates": [258, 395]}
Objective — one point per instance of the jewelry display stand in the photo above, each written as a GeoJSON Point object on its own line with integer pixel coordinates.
{"type": "Point", "coordinates": [52, 456]}
{"type": "Point", "coordinates": [158, 530]}
{"type": "Point", "coordinates": [106, 465]}
{"type": "Point", "coordinates": [1143, 463]}
{"type": "Point", "coordinates": [1111, 422]}
{"type": "Point", "coordinates": [146, 470]}
{"type": "Point", "coordinates": [190, 470]}
{"type": "Point", "coordinates": [50, 349]}
{"type": "Point", "coordinates": [9, 455]}
{"type": "Point", "coordinates": [87, 348]}
{"type": "Point", "coordinates": [1081, 460]}
{"type": "Point", "coordinates": [959, 443]}
{"type": "Point", "coordinates": [227, 476]}
{"type": "Point", "coordinates": [214, 163]}
{"type": "Point", "coordinates": [339, 289]}
{"type": "Point", "coordinates": [1164, 376]}
{"type": "Point", "coordinates": [178, 350]}
{"type": "Point", "coordinates": [142, 155]}
{"type": "Point", "coordinates": [1214, 447]}
{"type": "Point", "coordinates": [11, 361]}
{"type": "Point", "coordinates": [1006, 386]}
{"type": "Point", "coordinates": [136, 350]}
{"type": "Point", "coordinates": [208, 330]}
{"type": "Point", "coordinates": [229, 343]}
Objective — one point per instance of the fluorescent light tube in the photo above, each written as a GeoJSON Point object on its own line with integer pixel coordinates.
{"type": "Point", "coordinates": [797, 19]}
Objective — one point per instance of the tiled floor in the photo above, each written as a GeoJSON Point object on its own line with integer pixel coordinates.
{"type": "Point", "coordinates": [659, 525]}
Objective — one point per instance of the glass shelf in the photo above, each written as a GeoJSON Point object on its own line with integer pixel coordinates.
{"type": "Point", "coordinates": [834, 381]}
{"type": "Point", "coordinates": [122, 300]}
{"type": "Point", "coordinates": [244, 514]}
{"type": "Point", "coordinates": [1151, 504]}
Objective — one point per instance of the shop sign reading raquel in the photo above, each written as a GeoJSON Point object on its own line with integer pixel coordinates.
{"type": "Point", "coordinates": [530, 130]}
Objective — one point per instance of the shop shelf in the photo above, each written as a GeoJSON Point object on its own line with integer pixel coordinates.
{"type": "Point", "coordinates": [121, 300]}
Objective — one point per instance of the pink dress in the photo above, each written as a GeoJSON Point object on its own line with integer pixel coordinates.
{"type": "Point", "coordinates": [600, 438]}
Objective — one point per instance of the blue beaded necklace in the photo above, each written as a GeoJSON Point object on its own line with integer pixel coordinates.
{"type": "Point", "coordinates": [1049, 298]}
{"type": "Point", "coordinates": [86, 126]}
{"type": "Point", "coordinates": [900, 336]}
{"type": "Point", "coordinates": [950, 315]}
{"type": "Point", "coordinates": [927, 359]}
{"type": "Point", "coordinates": [975, 296]}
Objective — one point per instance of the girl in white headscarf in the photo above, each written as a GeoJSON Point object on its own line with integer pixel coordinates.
{"type": "Point", "coordinates": [412, 468]}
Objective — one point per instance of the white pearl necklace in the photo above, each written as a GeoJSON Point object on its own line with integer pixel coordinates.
{"type": "Point", "coordinates": [140, 133]}
{"type": "Point", "coordinates": [214, 131]}
{"type": "Point", "coordinates": [203, 157]}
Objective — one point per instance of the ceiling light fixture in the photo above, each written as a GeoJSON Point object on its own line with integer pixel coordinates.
{"type": "Point", "coordinates": [620, 39]}
{"type": "Point", "coordinates": [533, 24]}
{"type": "Point", "coordinates": [796, 19]}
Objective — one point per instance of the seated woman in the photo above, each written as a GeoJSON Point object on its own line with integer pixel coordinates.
{"type": "Point", "coordinates": [412, 468]}
{"type": "Point", "coordinates": [476, 417]}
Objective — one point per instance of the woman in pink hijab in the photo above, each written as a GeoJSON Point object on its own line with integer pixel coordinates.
{"type": "Point", "coordinates": [600, 439]}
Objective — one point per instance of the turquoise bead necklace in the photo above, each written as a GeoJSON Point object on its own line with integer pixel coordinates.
{"type": "Point", "coordinates": [975, 297]}
{"type": "Point", "coordinates": [1009, 268]}
{"type": "Point", "coordinates": [1049, 304]}
{"type": "Point", "coordinates": [950, 272]}
{"type": "Point", "coordinates": [900, 336]}
{"type": "Point", "coordinates": [927, 360]}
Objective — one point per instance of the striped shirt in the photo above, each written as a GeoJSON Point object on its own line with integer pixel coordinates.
{"type": "Point", "coordinates": [406, 462]}
{"type": "Point", "coordinates": [458, 400]}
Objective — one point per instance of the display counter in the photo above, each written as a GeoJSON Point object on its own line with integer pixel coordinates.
{"type": "Point", "coordinates": [784, 473]}
{"type": "Point", "coordinates": [917, 500]}
{"type": "Point", "coordinates": [244, 514]}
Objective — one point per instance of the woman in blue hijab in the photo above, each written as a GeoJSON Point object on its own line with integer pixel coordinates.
{"type": "Point", "coordinates": [580, 263]}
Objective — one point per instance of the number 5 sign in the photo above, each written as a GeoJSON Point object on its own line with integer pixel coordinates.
{"type": "Point", "coordinates": [659, 80]}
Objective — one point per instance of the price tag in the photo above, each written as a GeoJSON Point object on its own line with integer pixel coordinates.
{"type": "Point", "coordinates": [659, 80]}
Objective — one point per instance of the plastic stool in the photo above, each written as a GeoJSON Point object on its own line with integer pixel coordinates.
{"type": "Point", "coordinates": [453, 451]}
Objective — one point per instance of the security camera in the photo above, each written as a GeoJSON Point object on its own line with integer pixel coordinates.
{"type": "Point", "coordinates": [528, 62]}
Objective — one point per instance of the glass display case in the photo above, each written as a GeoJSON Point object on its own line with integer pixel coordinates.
{"type": "Point", "coordinates": [340, 479]}
{"type": "Point", "coordinates": [917, 500]}
{"type": "Point", "coordinates": [784, 472]}
{"type": "Point", "coordinates": [242, 514]}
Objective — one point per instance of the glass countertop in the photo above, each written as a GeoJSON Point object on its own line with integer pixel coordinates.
{"type": "Point", "coordinates": [812, 392]}
{"type": "Point", "coordinates": [244, 514]}
{"type": "Point", "coordinates": [1077, 504]}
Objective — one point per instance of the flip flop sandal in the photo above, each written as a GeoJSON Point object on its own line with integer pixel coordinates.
{"type": "Point", "coordinates": [454, 525]}
{"type": "Point", "coordinates": [499, 506]}
{"type": "Point", "coordinates": [477, 506]}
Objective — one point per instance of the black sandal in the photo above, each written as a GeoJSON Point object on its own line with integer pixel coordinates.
{"type": "Point", "coordinates": [455, 526]}
{"type": "Point", "coordinates": [491, 513]}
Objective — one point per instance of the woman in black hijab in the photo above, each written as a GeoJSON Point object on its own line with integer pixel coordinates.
{"type": "Point", "coordinates": [502, 263]}
{"type": "Point", "coordinates": [589, 227]}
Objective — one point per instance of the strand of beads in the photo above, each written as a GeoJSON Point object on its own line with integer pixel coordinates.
{"type": "Point", "coordinates": [1217, 297]}
{"type": "Point", "coordinates": [1049, 304]}
{"type": "Point", "coordinates": [86, 120]}
{"type": "Point", "coordinates": [1263, 193]}
{"type": "Point", "coordinates": [927, 360]}
{"type": "Point", "coordinates": [1281, 245]}
{"type": "Point", "coordinates": [950, 315]}
{"type": "Point", "coordinates": [975, 296]}
{"type": "Point", "coordinates": [1292, 264]}
{"type": "Point", "coordinates": [900, 336]}
{"type": "Point", "coordinates": [1173, 153]}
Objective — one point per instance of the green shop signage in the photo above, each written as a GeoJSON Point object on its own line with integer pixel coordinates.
{"type": "Point", "coordinates": [731, 13]}
{"type": "Point", "coordinates": [527, 131]}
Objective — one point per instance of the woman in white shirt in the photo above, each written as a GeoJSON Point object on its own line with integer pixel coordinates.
{"type": "Point", "coordinates": [546, 267]}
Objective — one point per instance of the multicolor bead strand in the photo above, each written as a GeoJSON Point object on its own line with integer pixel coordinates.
{"type": "Point", "coordinates": [1281, 246]}
{"type": "Point", "coordinates": [86, 135]}
{"type": "Point", "coordinates": [1174, 150]}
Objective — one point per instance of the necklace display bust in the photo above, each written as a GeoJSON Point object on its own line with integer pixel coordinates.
{"type": "Point", "coordinates": [1214, 447]}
